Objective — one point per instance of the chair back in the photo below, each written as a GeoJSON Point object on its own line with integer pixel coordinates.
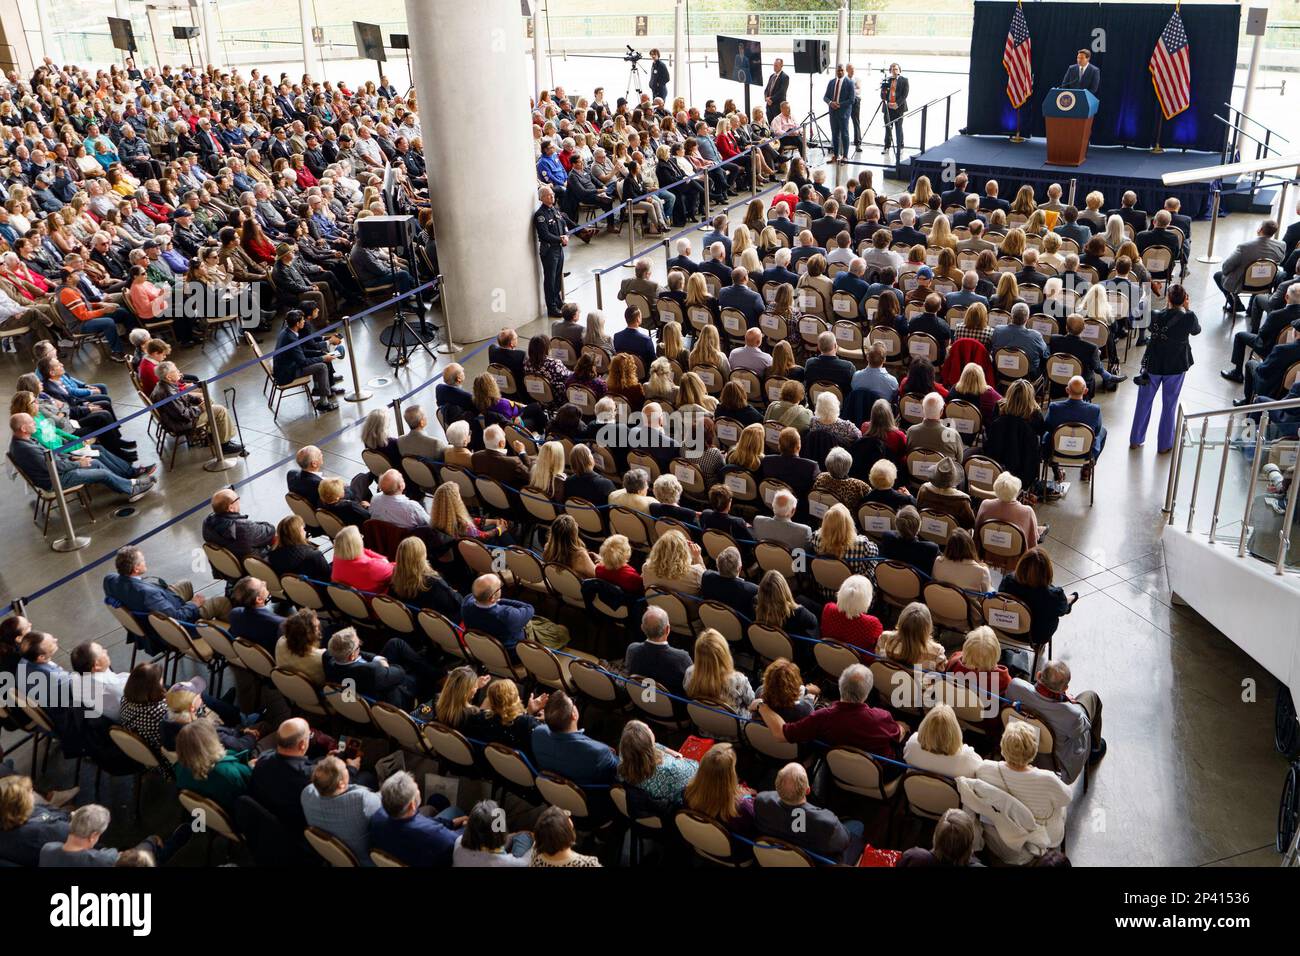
{"type": "Point", "coordinates": [722, 619]}
{"type": "Point", "coordinates": [255, 657]}
{"type": "Point", "coordinates": [981, 472]}
{"type": "Point", "coordinates": [331, 849]}
{"type": "Point", "coordinates": [561, 792]}
{"type": "Point", "coordinates": [1072, 443]}
{"type": "Point", "coordinates": [930, 795]}
{"type": "Point", "coordinates": [965, 419]}
{"type": "Point", "coordinates": [592, 681]}
{"type": "Point", "coordinates": [759, 736]}
{"type": "Point", "coordinates": [347, 703]}
{"type": "Point", "coordinates": [509, 765]}
{"type": "Point", "coordinates": [349, 601]}
{"type": "Point", "coordinates": [949, 606]}
{"type": "Point", "coordinates": [586, 515]}
{"type": "Point", "coordinates": [538, 388]}
{"type": "Point", "coordinates": [921, 464]}
{"type": "Point", "coordinates": [212, 814]}
{"type": "Point", "coordinates": [223, 561]}
{"type": "Point", "coordinates": [301, 692]}
{"type": "Point", "coordinates": [875, 519]}
{"type": "Point", "coordinates": [775, 557]}
{"type": "Point", "coordinates": [491, 653]}
{"type": "Point", "coordinates": [857, 772]}
{"type": "Point", "coordinates": [564, 584]}
{"type": "Point", "coordinates": [133, 745]}
{"type": "Point", "coordinates": [259, 569]}
{"type": "Point", "coordinates": [899, 584]}
{"type": "Point", "coordinates": [713, 719]}
{"type": "Point", "coordinates": [442, 633]}
{"type": "Point", "coordinates": [542, 664]}
{"type": "Point", "coordinates": [328, 523]}
{"type": "Point", "coordinates": [392, 613]}
{"type": "Point", "coordinates": [1001, 543]}
{"type": "Point", "coordinates": [936, 526]}
{"type": "Point", "coordinates": [834, 658]}
{"type": "Point", "coordinates": [1011, 364]}
{"type": "Point", "coordinates": [770, 642]}
{"type": "Point", "coordinates": [449, 744]}
{"type": "Point", "coordinates": [706, 836]}
{"type": "Point", "coordinates": [1259, 275]}
{"type": "Point", "coordinates": [398, 725]}
{"type": "Point", "coordinates": [771, 852]}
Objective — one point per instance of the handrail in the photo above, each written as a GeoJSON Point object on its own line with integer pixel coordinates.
{"type": "Point", "coordinates": [1252, 119]}
{"type": "Point", "coordinates": [1238, 129]}
{"type": "Point", "coordinates": [1276, 405]}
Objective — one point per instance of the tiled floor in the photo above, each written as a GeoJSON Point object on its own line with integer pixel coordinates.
{"type": "Point", "coordinates": [1191, 777]}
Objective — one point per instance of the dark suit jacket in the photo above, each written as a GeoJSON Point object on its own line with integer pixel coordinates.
{"type": "Point", "coordinates": [798, 473]}
{"type": "Point", "coordinates": [901, 88]}
{"type": "Point", "coordinates": [830, 368]}
{"type": "Point", "coordinates": [1137, 218]}
{"type": "Point", "coordinates": [778, 275]}
{"type": "Point", "coordinates": [685, 263]}
{"type": "Point", "coordinates": [778, 84]}
{"type": "Point", "coordinates": [719, 269]}
{"type": "Point", "coordinates": [260, 625]}
{"type": "Point", "coordinates": [736, 593]}
{"type": "Point", "coordinates": [746, 300]}
{"type": "Point", "coordinates": [146, 595]}
{"type": "Point", "coordinates": [591, 486]}
{"type": "Point", "coordinates": [452, 395]}
{"type": "Point", "coordinates": [953, 197]}
{"type": "Point", "coordinates": [635, 342]}
{"type": "Point", "coordinates": [306, 484]}
{"type": "Point", "coordinates": [293, 362]}
{"type": "Point", "coordinates": [818, 830]}
{"type": "Point", "coordinates": [512, 359]}
{"type": "Point", "coordinates": [1270, 372]}
{"type": "Point", "coordinates": [1070, 411]}
{"type": "Point", "coordinates": [826, 228]}
{"type": "Point", "coordinates": [1083, 350]}
{"type": "Point", "coordinates": [1090, 80]}
{"type": "Point", "coordinates": [1274, 323]}
{"type": "Point", "coordinates": [372, 679]}
{"type": "Point", "coordinates": [660, 662]}
{"type": "Point", "coordinates": [994, 202]}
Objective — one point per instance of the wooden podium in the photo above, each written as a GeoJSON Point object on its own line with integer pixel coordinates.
{"type": "Point", "coordinates": [1068, 115]}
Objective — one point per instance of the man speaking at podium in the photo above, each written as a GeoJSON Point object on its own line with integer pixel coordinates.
{"type": "Point", "coordinates": [1083, 75]}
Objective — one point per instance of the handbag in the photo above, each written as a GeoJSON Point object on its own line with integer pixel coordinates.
{"type": "Point", "coordinates": [547, 633]}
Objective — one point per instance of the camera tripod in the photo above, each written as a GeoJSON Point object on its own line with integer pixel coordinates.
{"type": "Point", "coordinates": [633, 78]}
{"type": "Point", "coordinates": [816, 137]}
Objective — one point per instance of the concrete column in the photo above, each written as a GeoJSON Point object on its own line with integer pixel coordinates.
{"type": "Point", "coordinates": [488, 286]}
{"type": "Point", "coordinates": [49, 45]}
{"type": "Point", "coordinates": [681, 69]}
{"type": "Point", "coordinates": [842, 34]}
{"type": "Point", "coordinates": [310, 53]}
{"type": "Point", "coordinates": [122, 9]}
{"type": "Point", "coordinates": [209, 43]}
{"type": "Point", "coordinates": [541, 49]}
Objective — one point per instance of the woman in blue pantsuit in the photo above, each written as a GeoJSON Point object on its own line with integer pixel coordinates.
{"type": "Point", "coordinates": [1168, 357]}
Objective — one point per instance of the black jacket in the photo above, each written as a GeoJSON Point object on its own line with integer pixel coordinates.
{"type": "Point", "coordinates": [293, 362]}
{"type": "Point", "coordinates": [239, 533]}
{"type": "Point", "coordinates": [737, 593]}
{"type": "Point", "coordinates": [1169, 351]}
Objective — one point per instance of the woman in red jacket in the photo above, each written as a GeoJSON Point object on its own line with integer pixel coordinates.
{"type": "Point", "coordinates": [255, 243]}
{"type": "Point", "coordinates": [357, 566]}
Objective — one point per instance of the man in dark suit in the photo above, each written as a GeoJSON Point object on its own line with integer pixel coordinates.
{"type": "Point", "coordinates": [716, 263]}
{"type": "Point", "coordinates": [129, 587]}
{"type": "Point", "coordinates": [1160, 235]}
{"type": "Point", "coordinates": [778, 271]}
{"type": "Point", "coordinates": [1264, 379]}
{"type": "Point", "coordinates": [1029, 274]}
{"type": "Point", "coordinates": [632, 340]}
{"type": "Point", "coordinates": [211, 150]}
{"type": "Point", "coordinates": [741, 297]}
{"type": "Point", "coordinates": [830, 224]}
{"type": "Point", "coordinates": [839, 99]}
{"type": "Point", "coordinates": [893, 100]}
{"type": "Point", "coordinates": [250, 618]}
{"type": "Point", "coordinates": [907, 231]}
{"type": "Point", "coordinates": [783, 224]}
{"type": "Point", "coordinates": [969, 215]}
{"type": "Point", "coordinates": [827, 366]}
{"type": "Point", "coordinates": [1074, 409]}
{"type": "Point", "coordinates": [798, 473]}
{"type": "Point", "coordinates": [726, 584]}
{"type": "Point", "coordinates": [786, 814]}
{"type": "Point", "coordinates": [1088, 355]}
{"type": "Point", "coordinates": [809, 201]}
{"type": "Point", "coordinates": [506, 351]}
{"type": "Point", "coordinates": [658, 76]}
{"type": "Point", "coordinates": [1265, 340]}
{"type": "Point", "coordinates": [721, 226]}
{"type": "Point", "coordinates": [778, 84]}
{"type": "Point", "coordinates": [398, 676]}
{"type": "Point", "coordinates": [990, 200]}
{"type": "Point", "coordinates": [1072, 228]}
{"type": "Point", "coordinates": [451, 391]}
{"type": "Point", "coordinates": [1082, 75]}
{"type": "Point", "coordinates": [654, 657]}
{"type": "Point", "coordinates": [932, 324]}
{"type": "Point", "coordinates": [1130, 213]}
{"type": "Point", "coordinates": [957, 195]}
{"type": "Point", "coordinates": [683, 258]}
{"type": "Point", "coordinates": [294, 362]}
{"type": "Point", "coordinates": [806, 249]}
{"type": "Point", "coordinates": [508, 466]}
{"type": "Point", "coordinates": [1179, 221]}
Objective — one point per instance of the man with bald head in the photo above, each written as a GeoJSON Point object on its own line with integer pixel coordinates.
{"type": "Point", "coordinates": [451, 391]}
{"type": "Point", "coordinates": [229, 528]}
{"type": "Point", "coordinates": [485, 610]}
{"type": "Point", "coordinates": [1075, 410]}
{"type": "Point", "coordinates": [392, 505]}
{"type": "Point", "coordinates": [716, 263]}
{"type": "Point", "coordinates": [751, 355]}
{"type": "Point", "coordinates": [279, 776]}
{"type": "Point", "coordinates": [742, 298]}
{"type": "Point", "coordinates": [785, 813]}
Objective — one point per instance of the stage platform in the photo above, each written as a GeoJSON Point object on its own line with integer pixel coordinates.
{"type": "Point", "coordinates": [1111, 169]}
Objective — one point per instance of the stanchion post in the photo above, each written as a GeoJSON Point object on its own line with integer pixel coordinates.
{"type": "Point", "coordinates": [70, 541]}
{"type": "Point", "coordinates": [396, 405]}
{"type": "Point", "coordinates": [1214, 222]}
{"type": "Point", "coordinates": [450, 347]}
{"type": "Point", "coordinates": [631, 230]}
{"type": "Point", "coordinates": [667, 253]}
{"type": "Point", "coordinates": [753, 172]}
{"type": "Point", "coordinates": [218, 461]}
{"type": "Point", "coordinates": [1074, 184]}
{"type": "Point", "coordinates": [600, 296]}
{"type": "Point", "coordinates": [708, 195]}
{"type": "Point", "coordinates": [358, 395]}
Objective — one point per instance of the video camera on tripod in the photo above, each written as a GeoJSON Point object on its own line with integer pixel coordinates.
{"type": "Point", "coordinates": [632, 55]}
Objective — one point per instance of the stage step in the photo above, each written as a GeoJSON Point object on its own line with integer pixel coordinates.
{"type": "Point", "coordinates": [1237, 198]}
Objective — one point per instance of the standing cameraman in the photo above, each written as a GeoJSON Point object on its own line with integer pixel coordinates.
{"type": "Point", "coordinates": [658, 76]}
{"type": "Point", "coordinates": [893, 101]}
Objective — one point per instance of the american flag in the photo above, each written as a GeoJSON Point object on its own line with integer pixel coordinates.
{"type": "Point", "coordinates": [1015, 59]}
{"type": "Point", "coordinates": [1170, 68]}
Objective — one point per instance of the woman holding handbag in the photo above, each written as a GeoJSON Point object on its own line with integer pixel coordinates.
{"type": "Point", "coordinates": [1167, 359]}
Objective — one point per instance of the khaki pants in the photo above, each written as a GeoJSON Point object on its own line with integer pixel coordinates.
{"type": "Point", "coordinates": [215, 608]}
{"type": "Point", "coordinates": [224, 428]}
{"type": "Point", "coordinates": [1091, 703]}
{"type": "Point", "coordinates": [38, 321]}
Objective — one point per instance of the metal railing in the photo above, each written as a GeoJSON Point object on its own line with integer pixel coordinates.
{"type": "Point", "coordinates": [1245, 430]}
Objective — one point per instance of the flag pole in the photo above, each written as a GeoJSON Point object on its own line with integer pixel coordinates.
{"type": "Point", "coordinates": [1160, 122]}
{"type": "Point", "coordinates": [1017, 138]}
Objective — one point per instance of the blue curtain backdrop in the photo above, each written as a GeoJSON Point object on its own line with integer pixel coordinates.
{"type": "Point", "coordinates": [1129, 110]}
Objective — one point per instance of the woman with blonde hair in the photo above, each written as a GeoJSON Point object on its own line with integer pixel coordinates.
{"type": "Point", "coordinates": [1036, 225]}
{"type": "Point", "coordinates": [937, 745]}
{"type": "Point", "coordinates": [449, 515]}
{"type": "Point", "coordinates": [1049, 253]}
{"type": "Point", "coordinates": [713, 676]}
{"type": "Point", "coordinates": [27, 822]}
{"type": "Point", "coordinates": [922, 193]}
{"type": "Point", "coordinates": [416, 583]}
{"type": "Point", "coordinates": [1008, 293]}
{"type": "Point", "coordinates": [564, 546]}
{"type": "Point", "coordinates": [973, 388]}
{"type": "Point", "coordinates": [708, 351]}
{"type": "Point", "coordinates": [912, 642]}
{"type": "Point", "coordinates": [941, 236]}
{"type": "Point", "coordinates": [455, 704]}
{"type": "Point", "coordinates": [866, 200]}
{"type": "Point", "coordinates": [504, 718]}
{"type": "Point", "coordinates": [671, 344]}
{"type": "Point", "coordinates": [1013, 244]}
{"type": "Point", "coordinates": [615, 553]}
{"type": "Point", "coordinates": [1024, 202]}
{"type": "Point", "coordinates": [752, 264]}
{"type": "Point", "coordinates": [697, 295]}
{"type": "Point", "coordinates": [1091, 210]}
{"type": "Point", "coordinates": [693, 400]}
{"type": "Point", "coordinates": [848, 618]}
{"type": "Point", "coordinates": [1043, 792]}
{"type": "Point", "coordinates": [674, 564]}
{"type": "Point", "coordinates": [595, 333]}
{"type": "Point", "coordinates": [1114, 234]}
{"type": "Point", "coordinates": [357, 566]}
{"type": "Point", "coordinates": [838, 537]}
{"type": "Point", "coordinates": [975, 325]}
{"type": "Point", "coordinates": [769, 240]}
{"type": "Point", "coordinates": [716, 791]}
{"type": "Point", "coordinates": [981, 653]}
{"type": "Point", "coordinates": [749, 449]}
{"type": "Point", "coordinates": [660, 774]}
{"type": "Point", "coordinates": [784, 691]}
{"type": "Point", "coordinates": [660, 385]}
{"type": "Point", "coordinates": [547, 474]}
{"type": "Point", "coordinates": [741, 239]}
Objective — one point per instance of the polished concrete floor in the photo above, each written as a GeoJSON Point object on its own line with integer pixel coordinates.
{"type": "Point", "coordinates": [1191, 777]}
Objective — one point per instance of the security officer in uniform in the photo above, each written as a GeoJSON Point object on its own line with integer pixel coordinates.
{"type": "Point", "coordinates": [551, 225]}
